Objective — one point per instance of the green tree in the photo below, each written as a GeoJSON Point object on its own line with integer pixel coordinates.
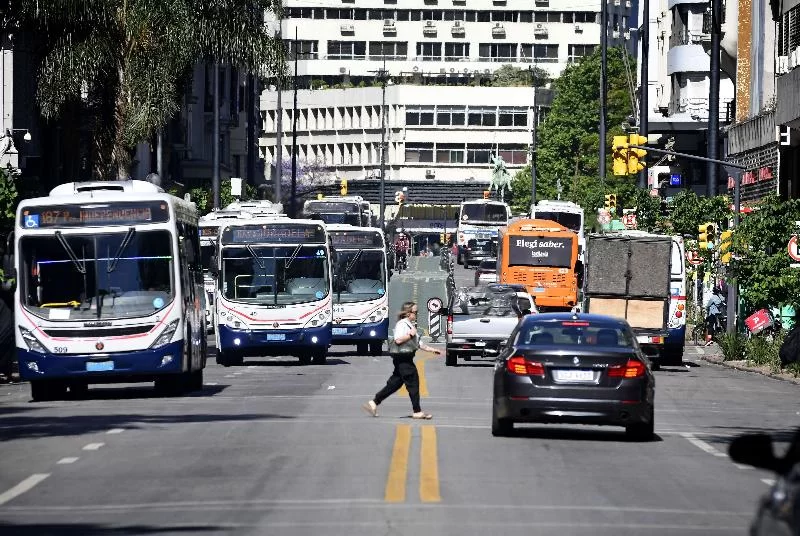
{"type": "Point", "coordinates": [761, 262]}
{"type": "Point", "coordinates": [508, 75]}
{"type": "Point", "coordinates": [688, 211]}
{"type": "Point", "coordinates": [9, 196]}
{"type": "Point", "coordinates": [128, 61]}
{"type": "Point", "coordinates": [568, 140]}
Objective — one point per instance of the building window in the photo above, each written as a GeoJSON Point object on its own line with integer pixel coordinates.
{"type": "Point", "coordinates": [450, 115]}
{"type": "Point", "coordinates": [503, 52]}
{"type": "Point", "coordinates": [429, 51]}
{"type": "Point", "coordinates": [377, 14]}
{"type": "Point", "coordinates": [478, 153]}
{"type": "Point", "coordinates": [504, 16]}
{"type": "Point", "coordinates": [539, 53]}
{"type": "Point", "coordinates": [576, 52]}
{"type": "Point", "coordinates": [419, 152]}
{"type": "Point", "coordinates": [448, 153]}
{"type": "Point", "coordinates": [347, 50]}
{"type": "Point", "coordinates": [419, 116]}
{"type": "Point", "coordinates": [391, 50]}
{"type": "Point", "coordinates": [346, 14]}
{"type": "Point", "coordinates": [306, 49]}
{"type": "Point", "coordinates": [513, 117]}
{"type": "Point", "coordinates": [547, 16]}
{"type": "Point", "coordinates": [431, 15]}
{"type": "Point", "coordinates": [789, 32]}
{"type": "Point", "coordinates": [513, 154]}
{"type": "Point", "coordinates": [456, 51]}
{"type": "Point", "coordinates": [482, 116]}
{"type": "Point", "coordinates": [586, 17]}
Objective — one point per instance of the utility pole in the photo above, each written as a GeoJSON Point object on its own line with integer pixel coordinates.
{"type": "Point", "coordinates": [533, 129]}
{"type": "Point", "coordinates": [603, 84]}
{"type": "Point", "coordinates": [383, 77]}
{"type": "Point", "coordinates": [215, 140]}
{"type": "Point", "coordinates": [279, 127]}
{"type": "Point", "coordinates": [293, 201]}
{"type": "Point", "coordinates": [644, 36]}
{"type": "Point", "coordinates": [713, 97]}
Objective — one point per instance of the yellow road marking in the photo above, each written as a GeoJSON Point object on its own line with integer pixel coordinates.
{"type": "Point", "coordinates": [398, 469]}
{"type": "Point", "coordinates": [429, 467]}
{"type": "Point", "coordinates": [423, 384]}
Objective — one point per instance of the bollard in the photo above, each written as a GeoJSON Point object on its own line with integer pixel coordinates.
{"type": "Point", "coordinates": [434, 326]}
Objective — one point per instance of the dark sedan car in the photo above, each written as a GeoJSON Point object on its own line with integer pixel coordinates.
{"type": "Point", "coordinates": [574, 368]}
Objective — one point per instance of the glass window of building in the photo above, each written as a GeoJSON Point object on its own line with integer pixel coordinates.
{"type": "Point", "coordinates": [456, 51]}
{"type": "Point", "coordinates": [419, 115]}
{"type": "Point", "coordinates": [500, 52]}
{"type": "Point", "coordinates": [478, 153]}
{"type": "Point", "coordinates": [347, 50]}
{"type": "Point", "coordinates": [419, 152]}
{"type": "Point", "coordinates": [513, 117]}
{"type": "Point", "coordinates": [513, 154]}
{"type": "Point", "coordinates": [576, 52]}
{"type": "Point", "coordinates": [429, 51]}
{"type": "Point", "coordinates": [482, 116]}
{"type": "Point", "coordinates": [450, 115]}
{"type": "Point", "coordinates": [391, 50]}
{"type": "Point", "coordinates": [449, 153]}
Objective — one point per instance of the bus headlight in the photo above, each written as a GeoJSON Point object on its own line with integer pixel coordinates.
{"type": "Point", "coordinates": [317, 320]}
{"type": "Point", "coordinates": [166, 335]}
{"type": "Point", "coordinates": [378, 314]}
{"type": "Point", "coordinates": [30, 339]}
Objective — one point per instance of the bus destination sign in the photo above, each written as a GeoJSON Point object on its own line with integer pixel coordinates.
{"type": "Point", "coordinates": [124, 213]}
{"type": "Point", "coordinates": [209, 232]}
{"type": "Point", "coordinates": [539, 251]}
{"type": "Point", "coordinates": [360, 239]}
{"type": "Point", "coordinates": [277, 233]}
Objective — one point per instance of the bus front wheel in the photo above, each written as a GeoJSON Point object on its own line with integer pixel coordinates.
{"type": "Point", "coordinates": [376, 348]}
{"type": "Point", "coordinates": [320, 357]}
{"type": "Point", "coordinates": [44, 390]}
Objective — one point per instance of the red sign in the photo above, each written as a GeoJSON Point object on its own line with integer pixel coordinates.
{"type": "Point", "coordinates": [792, 247]}
{"type": "Point", "coordinates": [757, 321]}
{"type": "Point", "coordinates": [693, 257]}
{"type": "Point", "coordinates": [752, 177]}
{"type": "Point", "coordinates": [629, 220]}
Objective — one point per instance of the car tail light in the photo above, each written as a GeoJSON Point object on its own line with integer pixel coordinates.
{"type": "Point", "coordinates": [520, 365]}
{"type": "Point", "coordinates": [450, 325]}
{"type": "Point", "coordinates": [632, 369]}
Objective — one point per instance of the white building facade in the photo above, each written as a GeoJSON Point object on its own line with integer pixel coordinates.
{"type": "Point", "coordinates": [441, 123]}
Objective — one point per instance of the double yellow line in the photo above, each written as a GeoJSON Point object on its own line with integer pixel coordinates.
{"type": "Point", "coordinates": [429, 466]}
{"type": "Point", "coordinates": [423, 383]}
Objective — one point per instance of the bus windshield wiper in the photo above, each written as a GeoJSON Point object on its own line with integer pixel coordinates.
{"type": "Point", "coordinates": [125, 241]}
{"type": "Point", "coordinates": [252, 253]}
{"type": "Point", "coordinates": [353, 261]}
{"type": "Point", "coordinates": [293, 256]}
{"type": "Point", "coordinates": [74, 258]}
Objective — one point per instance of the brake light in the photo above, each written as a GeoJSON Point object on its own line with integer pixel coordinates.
{"type": "Point", "coordinates": [632, 369]}
{"type": "Point", "coordinates": [523, 367]}
{"type": "Point", "coordinates": [450, 325]}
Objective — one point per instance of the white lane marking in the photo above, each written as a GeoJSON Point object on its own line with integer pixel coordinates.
{"type": "Point", "coordinates": [230, 376]}
{"type": "Point", "coordinates": [768, 481]}
{"type": "Point", "coordinates": [22, 487]}
{"type": "Point", "coordinates": [211, 383]}
{"type": "Point", "coordinates": [702, 445]}
{"type": "Point", "coordinates": [93, 446]}
{"type": "Point", "coordinates": [115, 431]}
{"type": "Point", "coordinates": [70, 459]}
{"type": "Point", "coordinates": [237, 373]}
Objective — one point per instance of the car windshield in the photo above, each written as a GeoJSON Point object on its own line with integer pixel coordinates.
{"type": "Point", "coordinates": [275, 275]}
{"type": "Point", "coordinates": [482, 302]}
{"type": "Point", "coordinates": [484, 212]}
{"type": "Point", "coordinates": [122, 274]}
{"type": "Point", "coordinates": [567, 219]}
{"type": "Point", "coordinates": [360, 276]}
{"type": "Point", "coordinates": [574, 333]}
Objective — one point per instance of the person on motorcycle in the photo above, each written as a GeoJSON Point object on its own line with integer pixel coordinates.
{"type": "Point", "coordinates": [714, 309]}
{"type": "Point", "coordinates": [401, 246]}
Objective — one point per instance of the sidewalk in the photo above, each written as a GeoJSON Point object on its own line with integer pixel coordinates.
{"type": "Point", "coordinates": [713, 354]}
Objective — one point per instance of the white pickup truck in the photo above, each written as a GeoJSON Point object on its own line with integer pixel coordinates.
{"type": "Point", "coordinates": [479, 319]}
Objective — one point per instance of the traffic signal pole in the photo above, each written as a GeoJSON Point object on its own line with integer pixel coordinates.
{"type": "Point", "coordinates": [690, 156]}
{"type": "Point", "coordinates": [603, 88]}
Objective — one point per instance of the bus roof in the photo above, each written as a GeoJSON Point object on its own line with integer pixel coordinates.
{"type": "Point", "coordinates": [563, 206]}
{"type": "Point", "coordinates": [528, 224]}
{"type": "Point", "coordinates": [215, 217]}
{"type": "Point", "coordinates": [74, 193]}
{"type": "Point", "coordinates": [484, 202]}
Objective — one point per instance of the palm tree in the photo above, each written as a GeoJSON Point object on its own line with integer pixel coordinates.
{"type": "Point", "coordinates": [129, 60]}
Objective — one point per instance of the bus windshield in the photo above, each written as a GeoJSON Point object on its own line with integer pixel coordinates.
{"type": "Point", "coordinates": [275, 275]}
{"type": "Point", "coordinates": [360, 276]}
{"type": "Point", "coordinates": [567, 219]}
{"type": "Point", "coordinates": [484, 213]}
{"type": "Point", "coordinates": [123, 274]}
{"type": "Point", "coordinates": [335, 217]}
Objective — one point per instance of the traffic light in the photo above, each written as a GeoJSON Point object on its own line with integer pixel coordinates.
{"type": "Point", "coordinates": [707, 235]}
{"type": "Point", "coordinates": [343, 188]}
{"type": "Point", "coordinates": [725, 245]}
{"type": "Point", "coordinates": [636, 156]}
{"type": "Point", "coordinates": [441, 238]}
{"type": "Point", "coordinates": [620, 149]}
{"type": "Point", "coordinates": [611, 202]}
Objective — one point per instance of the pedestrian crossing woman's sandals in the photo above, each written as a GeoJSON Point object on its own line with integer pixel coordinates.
{"type": "Point", "coordinates": [422, 415]}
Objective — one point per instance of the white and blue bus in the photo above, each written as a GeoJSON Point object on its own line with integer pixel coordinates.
{"type": "Point", "coordinates": [360, 287]}
{"type": "Point", "coordinates": [109, 288]}
{"type": "Point", "coordinates": [479, 222]}
{"type": "Point", "coordinates": [274, 289]}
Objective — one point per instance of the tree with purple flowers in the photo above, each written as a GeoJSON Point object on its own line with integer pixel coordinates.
{"type": "Point", "coordinates": [312, 176]}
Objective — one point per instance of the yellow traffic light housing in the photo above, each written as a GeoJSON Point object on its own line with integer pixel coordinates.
{"type": "Point", "coordinates": [611, 202]}
{"type": "Point", "coordinates": [725, 247]}
{"type": "Point", "coordinates": [320, 196]}
{"type": "Point", "coordinates": [343, 188]}
{"type": "Point", "coordinates": [707, 235]}
{"type": "Point", "coordinates": [636, 156]}
{"type": "Point", "coordinates": [620, 155]}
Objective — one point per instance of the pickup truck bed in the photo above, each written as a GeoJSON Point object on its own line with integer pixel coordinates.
{"type": "Point", "coordinates": [477, 336]}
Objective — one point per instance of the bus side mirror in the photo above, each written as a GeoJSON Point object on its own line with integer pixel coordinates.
{"type": "Point", "coordinates": [213, 268]}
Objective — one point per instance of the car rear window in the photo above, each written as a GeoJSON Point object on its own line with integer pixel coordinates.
{"type": "Point", "coordinates": [574, 333]}
{"type": "Point", "coordinates": [489, 264]}
{"type": "Point", "coordinates": [477, 302]}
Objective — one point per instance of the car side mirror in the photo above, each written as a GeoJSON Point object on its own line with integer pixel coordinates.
{"type": "Point", "coordinates": [444, 311]}
{"type": "Point", "coordinates": [755, 450]}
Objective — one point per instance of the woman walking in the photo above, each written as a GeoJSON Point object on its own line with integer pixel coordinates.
{"type": "Point", "coordinates": [406, 342]}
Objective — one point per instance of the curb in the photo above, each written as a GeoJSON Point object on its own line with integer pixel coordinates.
{"type": "Point", "coordinates": [716, 359]}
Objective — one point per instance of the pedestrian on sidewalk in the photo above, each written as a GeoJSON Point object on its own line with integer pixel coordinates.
{"type": "Point", "coordinates": [406, 342]}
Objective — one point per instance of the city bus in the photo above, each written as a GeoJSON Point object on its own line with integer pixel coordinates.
{"type": "Point", "coordinates": [209, 230]}
{"type": "Point", "coordinates": [673, 346]}
{"type": "Point", "coordinates": [352, 210]}
{"type": "Point", "coordinates": [273, 290]}
{"type": "Point", "coordinates": [542, 255]}
{"type": "Point", "coordinates": [479, 220]}
{"type": "Point", "coordinates": [109, 288]}
{"type": "Point", "coordinates": [566, 213]}
{"type": "Point", "coordinates": [257, 207]}
{"type": "Point", "coordinates": [360, 287]}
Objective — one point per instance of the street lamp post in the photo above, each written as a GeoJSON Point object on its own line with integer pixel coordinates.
{"type": "Point", "coordinates": [382, 76]}
{"type": "Point", "coordinates": [533, 128]}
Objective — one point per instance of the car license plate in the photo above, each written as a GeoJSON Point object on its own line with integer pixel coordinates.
{"type": "Point", "coordinates": [339, 331]}
{"type": "Point", "coordinates": [276, 336]}
{"type": "Point", "coordinates": [99, 366]}
{"type": "Point", "coordinates": [480, 344]}
{"type": "Point", "coordinates": [574, 375]}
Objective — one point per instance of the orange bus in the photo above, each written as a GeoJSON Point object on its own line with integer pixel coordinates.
{"type": "Point", "coordinates": [542, 255]}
